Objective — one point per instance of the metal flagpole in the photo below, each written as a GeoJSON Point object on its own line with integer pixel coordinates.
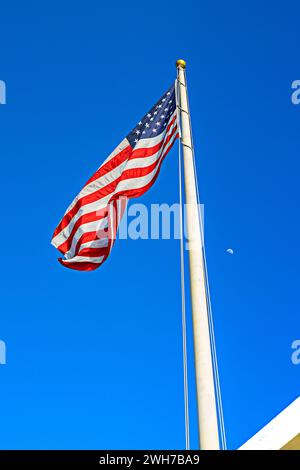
{"type": "Point", "coordinates": [206, 401]}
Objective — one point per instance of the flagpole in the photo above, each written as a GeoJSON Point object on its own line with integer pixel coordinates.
{"type": "Point", "coordinates": [206, 401]}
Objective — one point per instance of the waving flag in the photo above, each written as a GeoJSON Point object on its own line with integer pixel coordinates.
{"type": "Point", "coordinates": [87, 231]}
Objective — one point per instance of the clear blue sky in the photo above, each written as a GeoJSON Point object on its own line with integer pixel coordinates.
{"type": "Point", "coordinates": [94, 359]}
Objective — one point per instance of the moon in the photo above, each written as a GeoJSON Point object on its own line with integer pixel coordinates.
{"type": "Point", "coordinates": [230, 251]}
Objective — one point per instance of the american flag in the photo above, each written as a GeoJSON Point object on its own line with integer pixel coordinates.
{"type": "Point", "coordinates": [87, 231]}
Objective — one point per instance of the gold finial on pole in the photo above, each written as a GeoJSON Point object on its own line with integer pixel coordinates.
{"type": "Point", "coordinates": [181, 63]}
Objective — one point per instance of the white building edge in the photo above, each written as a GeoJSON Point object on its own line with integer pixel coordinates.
{"type": "Point", "coordinates": [282, 433]}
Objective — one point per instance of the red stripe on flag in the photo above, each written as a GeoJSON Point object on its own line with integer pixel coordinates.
{"type": "Point", "coordinates": [78, 266]}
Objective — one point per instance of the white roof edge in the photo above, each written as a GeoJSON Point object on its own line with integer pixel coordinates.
{"type": "Point", "coordinates": [278, 432]}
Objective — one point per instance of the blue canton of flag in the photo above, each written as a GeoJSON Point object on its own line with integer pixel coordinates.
{"type": "Point", "coordinates": [156, 120]}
